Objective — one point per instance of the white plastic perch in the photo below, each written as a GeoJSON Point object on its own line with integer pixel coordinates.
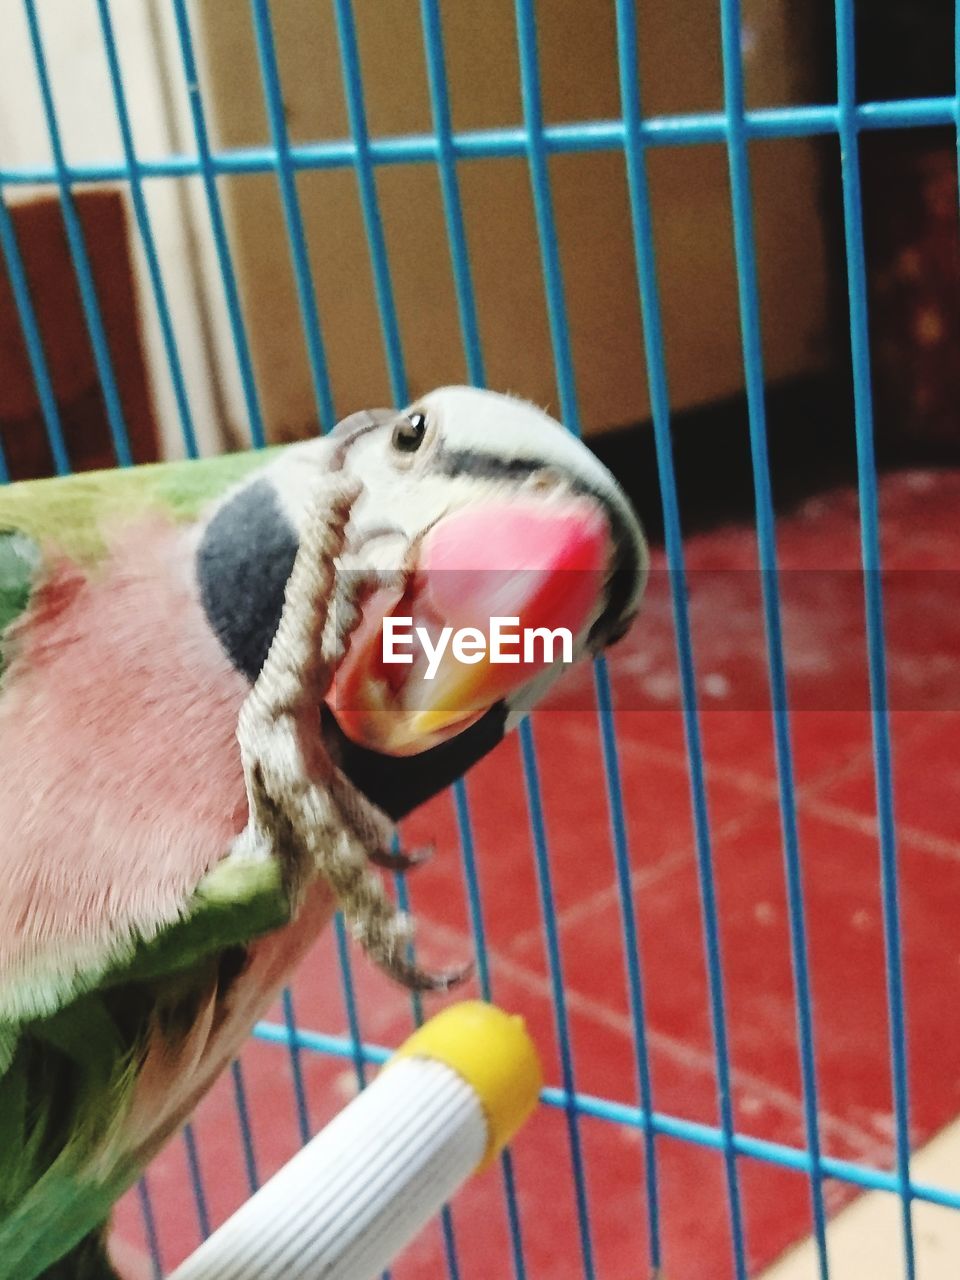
{"type": "Point", "coordinates": [446, 1104]}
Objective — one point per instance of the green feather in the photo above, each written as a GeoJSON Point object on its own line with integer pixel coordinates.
{"type": "Point", "coordinates": [66, 1080]}
{"type": "Point", "coordinates": [88, 1261]}
{"type": "Point", "coordinates": [73, 1073]}
{"type": "Point", "coordinates": [69, 1085]}
{"type": "Point", "coordinates": [233, 904]}
{"type": "Point", "coordinates": [20, 560]}
{"type": "Point", "coordinates": [71, 512]}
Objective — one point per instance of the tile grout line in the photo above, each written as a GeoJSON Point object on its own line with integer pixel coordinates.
{"type": "Point", "coordinates": [851, 819]}
{"type": "Point", "coordinates": [808, 793]}
{"type": "Point", "coordinates": [641, 878]}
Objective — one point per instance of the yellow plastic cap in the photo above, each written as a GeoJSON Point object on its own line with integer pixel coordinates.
{"type": "Point", "coordinates": [493, 1053]}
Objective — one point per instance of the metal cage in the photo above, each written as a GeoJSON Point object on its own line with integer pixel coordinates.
{"type": "Point", "coordinates": [633, 136]}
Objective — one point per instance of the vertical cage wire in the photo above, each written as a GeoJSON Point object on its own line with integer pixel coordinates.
{"type": "Point", "coordinates": [78, 249]}
{"type": "Point", "coordinates": [468, 862]}
{"type": "Point", "coordinates": [645, 258]}
{"type": "Point", "coordinates": [142, 218]}
{"type": "Point", "coordinates": [150, 1227]}
{"type": "Point", "coordinates": [873, 601]}
{"type": "Point", "coordinates": [296, 236]}
{"type": "Point", "coordinates": [296, 1067]}
{"type": "Point", "coordinates": [531, 778]}
{"type": "Point", "coordinates": [33, 341]}
{"type": "Point", "coordinates": [348, 991]}
{"type": "Point", "coordinates": [228, 278]}
{"type": "Point", "coordinates": [369, 200]}
{"type": "Point", "coordinates": [197, 1186]}
{"type": "Point", "coordinates": [432, 29]}
{"type": "Point", "coordinates": [631, 948]}
{"type": "Point", "coordinates": [246, 1129]}
{"type": "Point", "coordinates": [566, 390]}
{"type": "Point", "coordinates": [534, 140]}
{"type": "Point", "coordinates": [552, 273]}
{"type": "Point", "coordinates": [749, 303]}
{"type": "Point", "coordinates": [644, 250]}
{"type": "Point", "coordinates": [450, 190]}
{"type": "Point", "coordinates": [447, 1231]}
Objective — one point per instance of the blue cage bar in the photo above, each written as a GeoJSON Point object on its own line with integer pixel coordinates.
{"type": "Point", "coordinates": [533, 140]}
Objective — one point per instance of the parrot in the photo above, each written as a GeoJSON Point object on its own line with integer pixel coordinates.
{"type": "Point", "coordinates": [206, 751]}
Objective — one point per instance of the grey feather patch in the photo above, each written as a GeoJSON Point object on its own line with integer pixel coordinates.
{"type": "Point", "coordinates": [243, 564]}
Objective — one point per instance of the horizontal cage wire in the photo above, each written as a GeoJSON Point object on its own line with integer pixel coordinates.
{"type": "Point", "coordinates": [534, 141]}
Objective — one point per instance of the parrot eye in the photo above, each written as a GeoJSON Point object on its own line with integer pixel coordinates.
{"type": "Point", "coordinates": [544, 480]}
{"type": "Point", "coordinates": [409, 432]}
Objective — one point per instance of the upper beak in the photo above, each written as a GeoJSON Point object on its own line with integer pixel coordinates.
{"type": "Point", "coordinates": [424, 663]}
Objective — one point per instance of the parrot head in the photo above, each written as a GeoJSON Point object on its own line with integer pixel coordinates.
{"type": "Point", "coordinates": [500, 551]}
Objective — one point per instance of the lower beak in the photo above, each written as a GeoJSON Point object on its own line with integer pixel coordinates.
{"type": "Point", "coordinates": [499, 592]}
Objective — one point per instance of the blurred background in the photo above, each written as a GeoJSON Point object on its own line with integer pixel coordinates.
{"type": "Point", "coordinates": [909, 176]}
{"type": "Point", "coordinates": [909, 180]}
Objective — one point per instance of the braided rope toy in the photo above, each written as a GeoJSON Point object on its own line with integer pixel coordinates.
{"type": "Point", "coordinates": [303, 811]}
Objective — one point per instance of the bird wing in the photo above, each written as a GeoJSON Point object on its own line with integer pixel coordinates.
{"type": "Point", "coordinates": [120, 782]}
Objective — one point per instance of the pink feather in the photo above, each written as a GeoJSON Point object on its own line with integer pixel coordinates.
{"type": "Point", "coordinates": [121, 786]}
{"type": "Point", "coordinates": [120, 783]}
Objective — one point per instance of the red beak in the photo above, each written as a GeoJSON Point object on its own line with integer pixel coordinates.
{"type": "Point", "coordinates": [426, 663]}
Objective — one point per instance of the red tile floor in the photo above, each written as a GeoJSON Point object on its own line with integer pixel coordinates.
{"type": "Point", "coordinates": [824, 635]}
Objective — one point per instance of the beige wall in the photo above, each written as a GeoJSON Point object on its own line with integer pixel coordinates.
{"type": "Point", "coordinates": [680, 60]}
{"type": "Point", "coordinates": [157, 105]}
